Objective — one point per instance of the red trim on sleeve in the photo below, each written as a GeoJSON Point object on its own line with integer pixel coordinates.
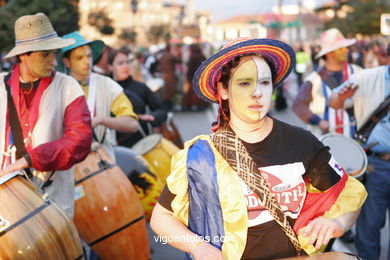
{"type": "Point", "coordinates": [316, 204]}
{"type": "Point", "coordinates": [72, 147]}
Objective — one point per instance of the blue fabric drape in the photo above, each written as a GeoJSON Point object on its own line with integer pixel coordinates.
{"type": "Point", "coordinates": [205, 213]}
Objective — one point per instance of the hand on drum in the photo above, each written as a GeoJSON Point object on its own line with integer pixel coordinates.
{"type": "Point", "coordinates": [321, 230]}
{"type": "Point", "coordinates": [205, 251]}
{"type": "Point", "coordinates": [17, 165]}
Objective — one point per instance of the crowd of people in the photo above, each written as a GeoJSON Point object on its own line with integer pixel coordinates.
{"type": "Point", "coordinates": [256, 188]}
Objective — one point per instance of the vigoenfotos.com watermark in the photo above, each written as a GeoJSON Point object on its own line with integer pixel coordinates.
{"type": "Point", "coordinates": [190, 239]}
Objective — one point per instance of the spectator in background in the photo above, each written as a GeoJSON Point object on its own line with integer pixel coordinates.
{"type": "Point", "coordinates": [314, 50]}
{"type": "Point", "coordinates": [137, 66]}
{"type": "Point", "coordinates": [101, 64]}
{"type": "Point", "coordinates": [167, 63]}
{"type": "Point", "coordinates": [375, 55]}
{"type": "Point", "coordinates": [191, 101]}
{"type": "Point", "coordinates": [146, 104]}
{"type": "Point", "coordinates": [355, 56]}
{"type": "Point", "coordinates": [302, 61]}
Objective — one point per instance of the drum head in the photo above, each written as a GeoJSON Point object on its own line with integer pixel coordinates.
{"type": "Point", "coordinates": [126, 159]}
{"type": "Point", "coordinates": [147, 143]}
{"type": "Point", "coordinates": [347, 153]}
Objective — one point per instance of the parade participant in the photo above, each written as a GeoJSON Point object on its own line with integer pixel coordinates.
{"type": "Point", "coordinates": [311, 102]}
{"type": "Point", "coordinates": [141, 97]}
{"type": "Point", "coordinates": [249, 189]}
{"type": "Point", "coordinates": [369, 93]}
{"type": "Point", "coordinates": [47, 120]}
{"type": "Point", "coordinates": [167, 63]}
{"type": "Point", "coordinates": [190, 100]}
{"type": "Point", "coordinates": [104, 96]}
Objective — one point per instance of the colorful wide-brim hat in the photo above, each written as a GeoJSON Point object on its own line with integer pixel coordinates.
{"type": "Point", "coordinates": [277, 53]}
{"type": "Point", "coordinates": [97, 46]}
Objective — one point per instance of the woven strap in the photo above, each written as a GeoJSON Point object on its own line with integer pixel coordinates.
{"type": "Point", "coordinates": [232, 149]}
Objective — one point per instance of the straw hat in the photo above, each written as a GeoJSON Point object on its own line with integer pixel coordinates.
{"type": "Point", "coordinates": [278, 54]}
{"type": "Point", "coordinates": [332, 40]}
{"type": "Point", "coordinates": [97, 46]}
{"type": "Point", "coordinates": [35, 33]}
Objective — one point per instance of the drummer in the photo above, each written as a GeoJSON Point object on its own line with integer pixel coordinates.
{"type": "Point", "coordinates": [104, 95]}
{"type": "Point", "coordinates": [52, 127]}
{"type": "Point", "coordinates": [257, 188]}
{"type": "Point", "coordinates": [369, 90]}
{"type": "Point", "coordinates": [311, 102]}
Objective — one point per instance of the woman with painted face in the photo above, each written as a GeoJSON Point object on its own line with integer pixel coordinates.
{"type": "Point", "coordinates": [257, 188]}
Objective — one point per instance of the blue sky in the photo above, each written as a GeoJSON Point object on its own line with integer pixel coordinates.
{"type": "Point", "coordinates": [222, 9]}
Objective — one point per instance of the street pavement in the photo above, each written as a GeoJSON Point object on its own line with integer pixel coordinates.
{"type": "Point", "coordinates": [191, 124]}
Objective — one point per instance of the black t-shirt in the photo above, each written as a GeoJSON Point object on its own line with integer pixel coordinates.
{"type": "Point", "coordinates": [284, 158]}
{"type": "Point", "coordinates": [141, 98]}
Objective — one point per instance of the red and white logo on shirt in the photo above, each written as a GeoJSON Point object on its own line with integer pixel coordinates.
{"type": "Point", "coordinates": [286, 183]}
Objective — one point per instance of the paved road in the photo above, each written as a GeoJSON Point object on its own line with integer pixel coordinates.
{"type": "Point", "coordinates": [191, 124]}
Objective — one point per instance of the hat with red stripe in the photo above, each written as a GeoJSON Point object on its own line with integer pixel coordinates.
{"type": "Point", "coordinates": [279, 55]}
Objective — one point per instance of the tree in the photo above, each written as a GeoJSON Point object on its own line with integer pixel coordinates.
{"type": "Point", "coordinates": [157, 32]}
{"type": "Point", "coordinates": [101, 21]}
{"type": "Point", "coordinates": [363, 17]}
{"type": "Point", "coordinates": [128, 35]}
{"type": "Point", "coordinates": [63, 15]}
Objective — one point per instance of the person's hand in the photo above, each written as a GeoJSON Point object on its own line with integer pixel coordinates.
{"type": "Point", "coordinates": [324, 126]}
{"type": "Point", "coordinates": [146, 117]}
{"type": "Point", "coordinates": [347, 91]}
{"type": "Point", "coordinates": [97, 120]}
{"type": "Point", "coordinates": [17, 165]}
{"type": "Point", "coordinates": [205, 251]}
{"type": "Point", "coordinates": [322, 230]}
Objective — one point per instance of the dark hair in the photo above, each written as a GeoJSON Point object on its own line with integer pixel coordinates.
{"type": "Point", "coordinates": [226, 69]}
{"type": "Point", "coordinates": [18, 60]}
{"type": "Point", "coordinates": [66, 54]}
{"type": "Point", "coordinates": [114, 53]}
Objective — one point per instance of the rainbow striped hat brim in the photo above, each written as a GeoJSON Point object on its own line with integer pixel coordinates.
{"type": "Point", "coordinates": [279, 54]}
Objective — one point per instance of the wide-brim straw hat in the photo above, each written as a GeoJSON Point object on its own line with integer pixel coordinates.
{"type": "Point", "coordinates": [35, 33]}
{"type": "Point", "coordinates": [331, 40]}
{"type": "Point", "coordinates": [97, 46]}
{"type": "Point", "coordinates": [277, 53]}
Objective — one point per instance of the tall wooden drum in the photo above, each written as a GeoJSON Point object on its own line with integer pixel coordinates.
{"type": "Point", "coordinates": [32, 228]}
{"type": "Point", "coordinates": [108, 213]}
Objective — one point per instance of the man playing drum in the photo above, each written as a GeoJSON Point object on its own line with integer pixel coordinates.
{"type": "Point", "coordinates": [257, 188]}
{"type": "Point", "coordinates": [44, 119]}
{"type": "Point", "coordinates": [311, 102]}
{"type": "Point", "coordinates": [104, 95]}
{"type": "Point", "coordinates": [369, 91]}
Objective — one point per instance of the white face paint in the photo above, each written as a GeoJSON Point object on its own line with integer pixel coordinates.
{"type": "Point", "coordinates": [250, 91]}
